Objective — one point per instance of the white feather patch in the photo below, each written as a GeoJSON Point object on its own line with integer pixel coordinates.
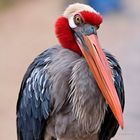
{"type": "Point", "coordinates": [76, 8]}
{"type": "Point", "coordinates": [71, 22]}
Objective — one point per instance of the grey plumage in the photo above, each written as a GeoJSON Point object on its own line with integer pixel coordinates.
{"type": "Point", "coordinates": [59, 95]}
{"type": "Point", "coordinates": [74, 86]}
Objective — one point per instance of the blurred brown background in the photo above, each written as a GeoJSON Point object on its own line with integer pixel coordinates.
{"type": "Point", "coordinates": [27, 28]}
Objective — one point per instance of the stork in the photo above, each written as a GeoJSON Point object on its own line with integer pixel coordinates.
{"type": "Point", "coordinates": [73, 91]}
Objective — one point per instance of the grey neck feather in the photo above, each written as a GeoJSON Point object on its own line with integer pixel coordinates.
{"type": "Point", "coordinates": [88, 103]}
{"type": "Point", "coordinates": [74, 82]}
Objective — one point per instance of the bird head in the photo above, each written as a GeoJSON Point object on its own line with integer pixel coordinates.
{"type": "Point", "coordinates": [76, 30]}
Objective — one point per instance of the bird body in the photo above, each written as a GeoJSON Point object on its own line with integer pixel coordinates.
{"type": "Point", "coordinates": [61, 99]}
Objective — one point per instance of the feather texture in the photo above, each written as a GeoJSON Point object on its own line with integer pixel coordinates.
{"type": "Point", "coordinates": [60, 97]}
{"type": "Point", "coordinates": [33, 106]}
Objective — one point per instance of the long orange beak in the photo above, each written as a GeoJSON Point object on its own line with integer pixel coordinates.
{"type": "Point", "coordinates": [102, 72]}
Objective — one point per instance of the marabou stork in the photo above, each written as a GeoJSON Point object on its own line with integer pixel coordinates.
{"type": "Point", "coordinates": [74, 91]}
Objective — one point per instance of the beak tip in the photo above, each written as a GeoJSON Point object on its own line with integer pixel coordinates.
{"type": "Point", "coordinates": [122, 125]}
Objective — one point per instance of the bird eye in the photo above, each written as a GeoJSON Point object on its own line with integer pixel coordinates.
{"type": "Point", "coordinates": [75, 21]}
{"type": "Point", "coordinates": [78, 19]}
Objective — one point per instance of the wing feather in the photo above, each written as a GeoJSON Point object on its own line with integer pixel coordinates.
{"type": "Point", "coordinates": [33, 106]}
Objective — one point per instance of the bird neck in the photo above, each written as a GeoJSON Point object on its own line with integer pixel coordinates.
{"type": "Point", "coordinates": [65, 35]}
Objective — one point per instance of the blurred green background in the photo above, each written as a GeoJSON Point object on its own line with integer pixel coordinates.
{"type": "Point", "coordinates": [6, 3]}
{"type": "Point", "coordinates": [27, 28]}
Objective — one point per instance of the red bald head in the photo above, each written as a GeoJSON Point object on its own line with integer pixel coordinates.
{"type": "Point", "coordinates": [91, 18]}
{"type": "Point", "coordinates": [65, 34]}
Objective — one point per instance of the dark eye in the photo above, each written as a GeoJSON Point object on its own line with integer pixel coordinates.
{"type": "Point", "coordinates": [78, 19]}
